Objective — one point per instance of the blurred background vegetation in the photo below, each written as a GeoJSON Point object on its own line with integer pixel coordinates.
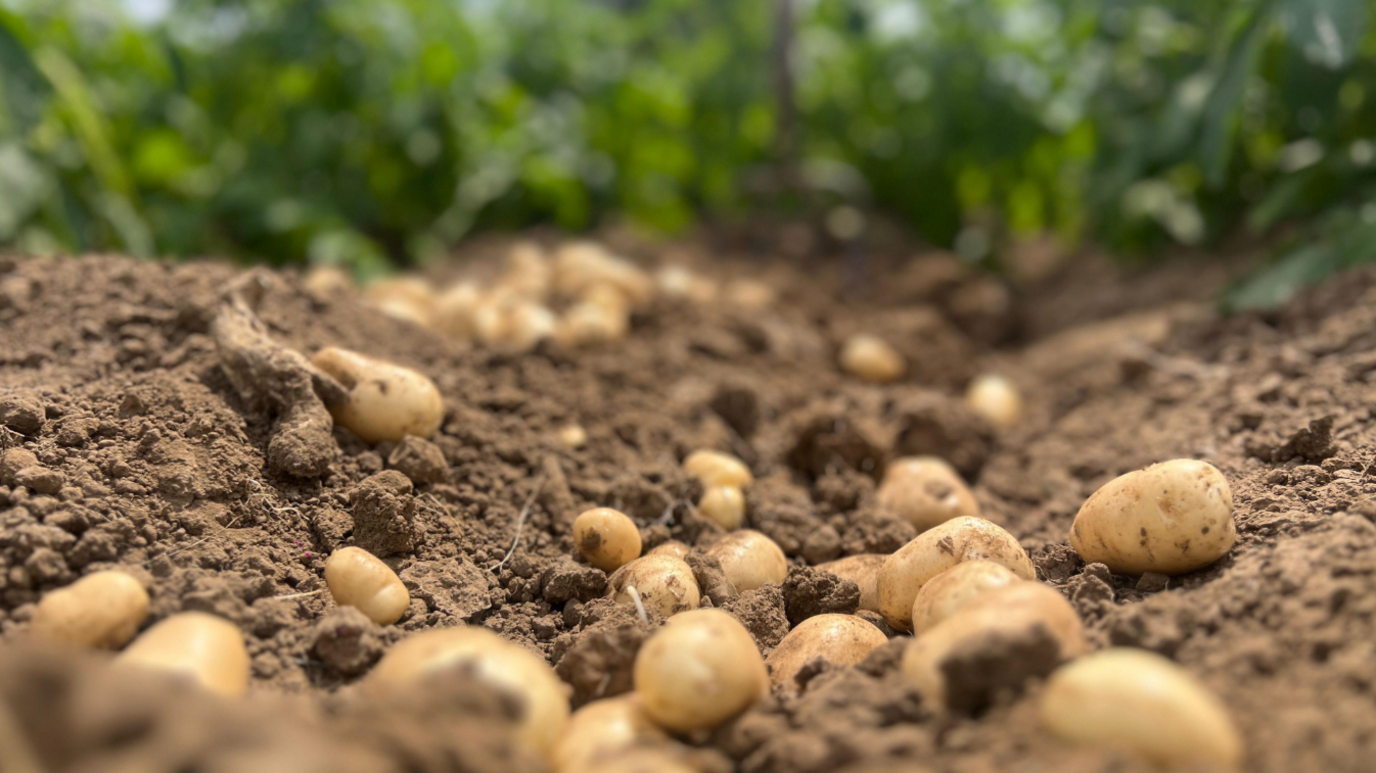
{"type": "Point", "coordinates": [375, 132]}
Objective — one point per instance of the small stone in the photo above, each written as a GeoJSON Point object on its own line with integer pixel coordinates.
{"type": "Point", "coordinates": [22, 412]}
{"type": "Point", "coordinates": [39, 479]}
{"type": "Point", "coordinates": [14, 460]}
{"type": "Point", "coordinates": [1151, 582]}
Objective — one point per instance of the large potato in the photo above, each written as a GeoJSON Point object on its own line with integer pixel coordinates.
{"type": "Point", "coordinates": [104, 609]}
{"type": "Point", "coordinates": [750, 559]}
{"type": "Point", "coordinates": [207, 649]}
{"type": "Point", "coordinates": [844, 640]}
{"type": "Point", "coordinates": [386, 401]}
{"type": "Point", "coordinates": [699, 670]}
{"type": "Point", "coordinates": [1170, 518]}
{"type": "Point", "coordinates": [925, 491]}
{"type": "Point", "coordinates": [936, 550]}
{"type": "Point", "coordinates": [947, 592]}
{"type": "Point", "coordinates": [493, 660]}
{"type": "Point", "coordinates": [994, 643]}
{"type": "Point", "coordinates": [604, 728]}
{"type": "Point", "coordinates": [665, 584]}
{"type": "Point", "coordinates": [1139, 701]}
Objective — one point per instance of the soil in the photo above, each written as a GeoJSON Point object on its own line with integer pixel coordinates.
{"type": "Point", "coordinates": [129, 441]}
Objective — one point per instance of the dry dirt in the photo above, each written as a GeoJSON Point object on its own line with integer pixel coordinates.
{"type": "Point", "coordinates": [148, 459]}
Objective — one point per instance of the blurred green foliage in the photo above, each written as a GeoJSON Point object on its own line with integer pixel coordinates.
{"type": "Point", "coordinates": [369, 131]}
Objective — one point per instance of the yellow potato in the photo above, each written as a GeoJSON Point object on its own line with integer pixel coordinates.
{"type": "Point", "coordinates": [665, 584]}
{"type": "Point", "coordinates": [607, 538]}
{"type": "Point", "coordinates": [208, 649]}
{"type": "Point", "coordinates": [602, 729]}
{"type": "Point", "coordinates": [359, 579]}
{"type": "Point", "coordinates": [407, 298]}
{"type": "Point", "coordinates": [996, 399]}
{"type": "Point", "coordinates": [671, 548]}
{"type": "Point", "coordinates": [587, 323]}
{"type": "Point", "coordinates": [456, 311]}
{"type": "Point", "coordinates": [750, 295]}
{"type": "Point", "coordinates": [701, 669]}
{"type": "Point", "coordinates": [103, 609]}
{"type": "Point", "coordinates": [528, 272]}
{"type": "Point", "coordinates": [947, 592]}
{"type": "Point", "coordinates": [573, 436]}
{"type": "Point", "coordinates": [715, 468]}
{"type": "Point", "coordinates": [844, 640]}
{"type": "Point", "coordinates": [328, 279]}
{"type": "Point", "coordinates": [579, 265]}
{"type": "Point", "coordinates": [863, 570]}
{"type": "Point", "coordinates": [491, 659]}
{"type": "Point", "coordinates": [750, 559]}
{"type": "Point", "coordinates": [938, 549]}
{"type": "Point", "coordinates": [1139, 701]}
{"type": "Point", "coordinates": [925, 491]}
{"type": "Point", "coordinates": [1029, 612]}
{"type": "Point", "coordinates": [386, 401]}
{"type": "Point", "coordinates": [723, 505]}
{"type": "Point", "coordinates": [872, 359]}
{"type": "Point", "coordinates": [1171, 518]}
{"type": "Point", "coordinates": [680, 282]}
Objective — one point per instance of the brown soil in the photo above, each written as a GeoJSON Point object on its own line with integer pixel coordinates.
{"type": "Point", "coordinates": [127, 444]}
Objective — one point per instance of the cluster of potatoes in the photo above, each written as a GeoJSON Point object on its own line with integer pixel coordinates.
{"type": "Point", "coordinates": [580, 295]}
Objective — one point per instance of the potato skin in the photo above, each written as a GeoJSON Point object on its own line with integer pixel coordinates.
{"type": "Point", "coordinates": [944, 594]}
{"type": "Point", "coordinates": [103, 609]}
{"type": "Point", "coordinates": [607, 538]}
{"type": "Point", "coordinates": [666, 584]}
{"type": "Point", "coordinates": [604, 728]}
{"type": "Point", "coordinates": [936, 550]}
{"type": "Point", "coordinates": [1171, 518]}
{"type": "Point", "coordinates": [925, 491]}
{"type": "Point", "coordinates": [844, 640]}
{"type": "Point", "coordinates": [207, 648]}
{"type": "Point", "coordinates": [1133, 699]}
{"type": "Point", "coordinates": [863, 570]}
{"type": "Point", "coordinates": [750, 559]}
{"type": "Point", "coordinates": [699, 670]}
{"type": "Point", "coordinates": [361, 580]}
{"type": "Point", "coordinates": [1012, 623]}
{"type": "Point", "coordinates": [386, 401]}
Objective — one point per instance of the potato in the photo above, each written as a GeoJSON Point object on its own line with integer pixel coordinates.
{"type": "Point", "coordinates": [844, 640]}
{"type": "Point", "coordinates": [994, 643]}
{"type": "Point", "coordinates": [1171, 518]}
{"type": "Point", "coordinates": [750, 295]}
{"type": "Point", "coordinates": [580, 265]}
{"type": "Point", "coordinates": [103, 609]}
{"type": "Point", "coordinates": [603, 728]}
{"type": "Point", "coordinates": [528, 272]}
{"type": "Point", "coordinates": [573, 436]}
{"type": "Point", "coordinates": [723, 505]}
{"type": "Point", "coordinates": [358, 579]}
{"type": "Point", "coordinates": [327, 279]}
{"type": "Point", "coordinates": [863, 570]}
{"type": "Point", "coordinates": [1136, 700]}
{"type": "Point", "coordinates": [607, 538]}
{"type": "Point", "coordinates": [587, 324]}
{"type": "Point", "coordinates": [936, 550]}
{"type": "Point", "coordinates": [639, 760]}
{"type": "Point", "coordinates": [715, 468]}
{"type": "Point", "coordinates": [456, 311]}
{"type": "Point", "coordinates": [925, 491]}
{"type": "Point", "coordinates": [407, 298]}
{"type": "Point", "coordinates": [701, 669]}
{"type": "Point", "coordinates": [682, 283]}
{"type": "Point", "coordinates": [492, 660]}
{"type": "Point", "coordinates": [208, 649]}
{"type": "Point", "coordinates": [947, 592]}
{"type": "Point", "coordinates": [750, 559]}
{"type": "Point", "coordinates": [386, 401]}
{"type": "Point", "coordinates": [665, 584]}
{"type": "Point", "coordinates": [996, 400]}
{"type": "Point", "coordinates": [671, 548]}
{"type": "Point", "coordinates": [872, 359]}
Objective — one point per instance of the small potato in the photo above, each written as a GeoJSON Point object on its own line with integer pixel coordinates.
{"type": "Point", "coordinates": [701, 669]}
{"type": "Point", "coordinates": [1136, 700]}
{"type": "Point", "coordinates": [844, 640]}
{"type": "Point", "coordinates": [580, 265]}
{"type": "Point", "coordinates": [1171, 518]}
{"type": "Point", "coordinates": [724, 505]}
{"type": "Point", "coordinates": [863, 570]}
{"type": "Point", "coordinates": [492, 660]}
{"type": "Point", "coordinates": [750, 295]}
{"type": "Point", "coordinates": [666, 585]}
{"type": "Point", "coordinates": [607, 538]}
{"type": "Point", "coordinates": [386, 401]}
{"type": "Point", "coordinates": [587, 324]}
{"type": "Point", "coordinates": [528, 272]}
{"type": "Point", "coordinates": [456, 311]}
{"type": "Point", "coordinates": [941, 596]}
{"type": "Point", "coordinates": [103, 609]}
{"type": "Point", "coordinates": [327, 279]}
{"type": "Point", "coordinates": [407, 298]}
{"type": "Point", "coordinates": [604, 728]}
{"type": "Point", "coordinates": [715, 468]}
{"type": "Point", "coordinates": [925, 491]}
{"type": "Point", "coordinates": [872, 359]}
{"type": "Point", "coordinates": [992, 644]}
{"type": "Point", "coordinates": [750, 559]}
{"type": "Point", "coordinates": [208, 649]}
{"type": "Point", "coordinates": [358, 579]}
{"type": "Point", "coordinates": [682, 283]}
{"type": "Point", "coordinates": [938, 549]}
{"type": "Point", "coordinates": [671, 548]}
{"type": "Point", "coordinates": [573, 436]}
{"type": "Point", "coordinates": [996, 399]}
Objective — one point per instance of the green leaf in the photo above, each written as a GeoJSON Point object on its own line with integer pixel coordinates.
{"type": "Point", "coordinates": [1327, 32]}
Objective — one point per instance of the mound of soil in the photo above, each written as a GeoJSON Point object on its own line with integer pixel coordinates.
{"type": "Point", "coordinates": [127, 444]}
